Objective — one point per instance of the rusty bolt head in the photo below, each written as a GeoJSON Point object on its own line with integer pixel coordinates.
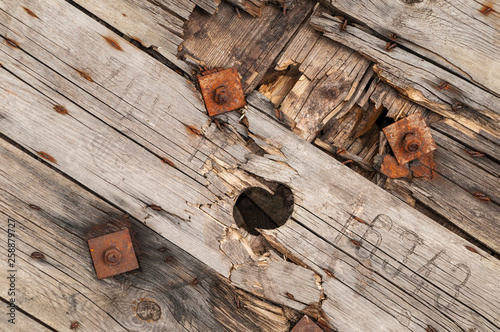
{"type": "Point", "coordinates": [221, 96]}
{"type": "Point", "coordinates": [411, 143]}
{"type": "Point", "coordinates": [112, 256]}
{"type": "Point", "coordinates": [222, 91]}
{"type": "Point", "coordinates": [409, 147]}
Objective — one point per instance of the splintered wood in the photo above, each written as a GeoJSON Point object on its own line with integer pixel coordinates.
{"type": "Point", "coordinates": [93, 127]}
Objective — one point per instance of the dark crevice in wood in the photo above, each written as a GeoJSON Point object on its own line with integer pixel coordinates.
{"type": "Point", "coordinates": [28, 315]}
{"type": "Point", "coordinates": [148, 50]}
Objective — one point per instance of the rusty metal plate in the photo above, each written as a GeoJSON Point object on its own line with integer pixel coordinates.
{"type": "Point", "coordinates": [113, 254]}
{"type": "Point", "coordinates": [393, 169]}
{"type": "Point", "coordinates": [409, 138]}
{"type": "Point", "coordinates": [222, 91]}
{"type": "Point", "coordinates": [306, 324]}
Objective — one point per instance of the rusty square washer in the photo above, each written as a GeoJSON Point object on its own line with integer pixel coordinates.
{"type": "Point", "coordinates": [222, 91]}
{"type": "Point", "coordinates": [306, 324]}
{"type": "Point", "coordinates": [113, 254]}
{"type": "Point", "coordinates": [409, 138]}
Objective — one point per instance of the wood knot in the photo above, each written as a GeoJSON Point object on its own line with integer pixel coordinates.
{"type": "Point", "coordinates": [148, 310]}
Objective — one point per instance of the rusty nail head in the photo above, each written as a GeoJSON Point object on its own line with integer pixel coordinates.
{"type": "Point", "coordinates": [409, 138]}
{"type": "Point", "coordinates": [306, 324]}
{"type": "Point", "coordinates": [222, 91]}
{"type": "Point", "coordinates": [113, 254]}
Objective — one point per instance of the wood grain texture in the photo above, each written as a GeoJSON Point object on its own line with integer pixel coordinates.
{"type": "Point", "coordinates": [251, 44]}
{"type": "Point", "coordinates": [23, 323]}
{"type": "Point", "coordinates": [403, 269]}
{"type": "Point", "coordinates": [453, 34]}
{"type": "Point", "coordinates": [156, 24]}
{"type": "Point", "coordinates": [330, 73]}
{"type": "Point", "coordinates": [62, 288]}
{"type": "Point", "coordinates": [420, 80]}
{"type": "Point", "coordinates": [145, 116]}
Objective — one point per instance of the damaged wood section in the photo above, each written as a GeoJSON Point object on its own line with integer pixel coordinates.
{"type": "Point", "coordinates": [461, 37]}
{"type": "Point", "coordinates": [422, 82]}
{"type": "Point", "coordinates": [360, 247]}
{"type": "Point", "coordinates": [251, 44]}
{"type": "Point", "coordinates": [327, 78]}
{"type": "Point", "coordinates": [60, 288]}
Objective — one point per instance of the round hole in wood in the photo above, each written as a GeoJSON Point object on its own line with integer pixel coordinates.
{"type": "Point", "coordinates": [256, 208]}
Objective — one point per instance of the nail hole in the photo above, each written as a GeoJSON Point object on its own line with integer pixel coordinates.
{"type": "Point", "coordinates": [256, 208]}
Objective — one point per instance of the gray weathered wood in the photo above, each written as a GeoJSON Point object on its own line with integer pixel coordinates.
{"type": "Point", "coordinates": [251, 44]}
{"type": "Point", "coordinates": [184, 210]}
{"type": "Point", "coordinates": [62, 288]}
{"type": "Point", "coordinates": [419, 80]}
{"type": "Point", "coordinates": [454, 34]}
{"type": "Point", "coordinates": [398, 265]}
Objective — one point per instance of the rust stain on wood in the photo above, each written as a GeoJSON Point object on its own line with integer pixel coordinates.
{"type": "Point", "coordinates": [474, 154]}
{"type": "Point", "coordinates": [30, 12]}
{"type": "Point", "coordinates": [487, 9]}
{"type": "Point", "coordinates": [390, 46]}
{"type": "Point", "coordinates": [472, 249]}
{"type": "Point", "coordinates": [430, 328]}
{"type": "Point", "coordinates": [481, 196]}
{"type": "Point", "coordinates": [61, 109]}
{"type": "Point", "coordinates": [47, 156]}
{"type": "Point", "coordinates": [11, 42]}
{"type": "Point", "coordinates": [355, 242]}
{"type": "Point", "coordinates": [167, 161]}
{"type": "Point", "coordinates": [37, 255]}
{"type": "Point", "coordinates": [113, 43]}
{"type": "Point", "coordinates": [35, 207]}
{"type": "Point", "coordinates": [194, 131]}
{"type": "Point", "coordinates": [329, 273]}
{"type": "Point", "coordinates": [359, 220]}
{"type": "Point", "coordinates": [85, 75]}
{"type": "Point", "coordinates": [154, 207]}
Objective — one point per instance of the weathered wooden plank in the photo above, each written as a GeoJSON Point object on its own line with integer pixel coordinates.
{"type": "Point", "coordinates": [351, 246]}
{"type": "Point", "coordinates": [450, 191]}
{"type": "Point", "coordinates": [104, 151]}
{"type": "Point", "coordinates": [330, 75]}
{"type": "Point", "coordinates": [61, 288]}
{"type": "Point", "coordinates": [473, 141]}
{"type": "Point", "coordinates": [454, 35]}
{"type": "Point", "coordinates": [421, 81]}
{"type": "Point", "coordinates": [363, 256]}
{"type": "Point", "coordinates": [23, 323]}
{"type": "Point", "coordinates": [252, 7]}
{"type": "Point", "coordinates": [251, 44]}
{"type": "Point", "coordinates": [156, 24]}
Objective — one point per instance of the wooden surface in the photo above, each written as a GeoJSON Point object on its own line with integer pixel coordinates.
{"type": "Point", "coordinates": [66, 277]}
{"type": "Point", "coordinates": [454, 35]}
{"type": "Point", "coordinates": [93, 128]}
